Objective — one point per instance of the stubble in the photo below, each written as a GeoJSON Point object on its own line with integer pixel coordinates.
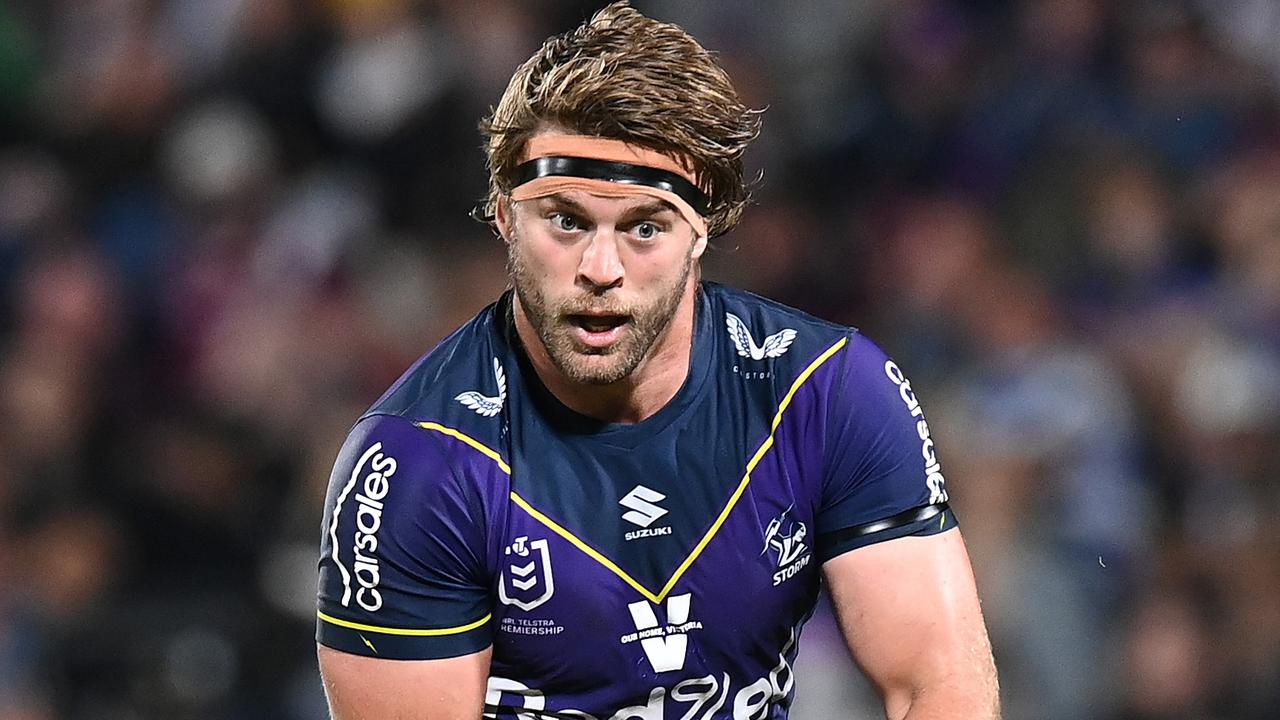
{"type": "Point", "coordinates": [581, 363]}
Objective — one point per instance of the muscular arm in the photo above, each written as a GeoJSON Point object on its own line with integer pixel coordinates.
{"type": "Point", "coordinates": [909, 612]}
{"type": "Point", "coordinates": [366, 688]}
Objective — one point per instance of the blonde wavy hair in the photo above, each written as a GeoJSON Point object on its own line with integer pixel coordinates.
{"type": "Point", "coordinates": [625, 76]}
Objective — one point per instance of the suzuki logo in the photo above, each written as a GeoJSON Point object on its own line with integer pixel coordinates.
{"type": "Point", "coordinates": [641, 509]}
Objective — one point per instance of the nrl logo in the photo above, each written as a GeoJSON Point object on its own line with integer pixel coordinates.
{"type": "Point", "coordinates": [528, 573]}
{"type": "Point", "coordinates": [775, 345]}
{"type": "Point", "coordinates": [483, 404]}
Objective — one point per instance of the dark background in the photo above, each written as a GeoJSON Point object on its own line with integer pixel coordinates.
{"type": "Point", "coordinates": [227, 225]}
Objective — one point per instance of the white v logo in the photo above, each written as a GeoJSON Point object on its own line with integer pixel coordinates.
{"type": "Point", "coordinates": [664, 652]}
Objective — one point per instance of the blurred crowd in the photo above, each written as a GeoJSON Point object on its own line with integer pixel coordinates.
{"type": "Point", "coordinates": [227, 225]}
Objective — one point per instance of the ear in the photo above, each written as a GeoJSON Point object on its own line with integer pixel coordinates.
{"type": "Point", "coordinates": [699, 246]}
{"type": "Point", "coordinates": [502, 213]}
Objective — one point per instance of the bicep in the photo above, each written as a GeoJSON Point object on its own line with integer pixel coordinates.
{"type": "Point", "coordinates": [367, 688]}
{"type": "Point", "coordinates": [910, 614]}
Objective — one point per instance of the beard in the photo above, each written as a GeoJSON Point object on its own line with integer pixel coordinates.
{"type": "Point", "coordinates": [585, 364]}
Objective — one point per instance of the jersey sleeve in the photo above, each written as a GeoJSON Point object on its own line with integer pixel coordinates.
{"type": "Point", "coordinates": [884, 479]}
{"type": "Point", "coordinates": [402, 567]}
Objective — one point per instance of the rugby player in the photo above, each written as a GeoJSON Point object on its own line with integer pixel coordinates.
{"type": "Point", "coordinates": [615, 492]}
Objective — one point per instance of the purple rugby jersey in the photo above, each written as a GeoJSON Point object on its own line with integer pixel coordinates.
{"type": "Point", "coordinates": [657, 570]}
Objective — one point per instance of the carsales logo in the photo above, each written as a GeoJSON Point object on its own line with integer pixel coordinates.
{"type": "Point", "coordinates": [368, 521]}
{"type": "Point", "coordinates": [932, 468]}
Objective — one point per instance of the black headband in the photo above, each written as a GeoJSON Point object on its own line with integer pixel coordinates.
{"type": "Point", "coordinates": [614, 172]}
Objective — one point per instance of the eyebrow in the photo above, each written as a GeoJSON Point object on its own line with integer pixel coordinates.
{"type": "Point", "coordinates": [561, 200]}
{"type": "Point", "coordinates": [650, 208]}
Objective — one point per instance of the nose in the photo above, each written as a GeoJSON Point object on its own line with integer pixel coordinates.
{"type": "Point", "coordinates": [601, 267]}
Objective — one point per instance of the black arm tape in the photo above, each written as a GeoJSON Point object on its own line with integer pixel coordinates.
{"type": "Point", "coordinates": [843, 536]}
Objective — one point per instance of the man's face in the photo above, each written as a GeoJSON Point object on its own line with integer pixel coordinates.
{"type": "Point", "coordinates": [598, 278]}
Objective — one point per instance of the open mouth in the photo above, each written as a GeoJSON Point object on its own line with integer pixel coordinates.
{"type": "Point", "coordinates": [597, 323]}
{"type": "Point", "coordinates": [598, 330]}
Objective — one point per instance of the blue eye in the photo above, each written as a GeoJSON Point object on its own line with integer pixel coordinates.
{"type": "Point", "coordinates": [567, 223]}
{"type": "Point", "coordinates": [646, 231]}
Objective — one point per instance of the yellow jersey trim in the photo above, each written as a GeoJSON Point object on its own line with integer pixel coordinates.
{"type": "Point", "coordinates": [751, 465]}
{"type": "Point", "coordinates": [599, 557]}
{"type": "Point", "coordinates": [484, 449]}
{"type": "Point", "coordinates": [592, 552]}
{"type": "Point", "coordinates": [414, 632]}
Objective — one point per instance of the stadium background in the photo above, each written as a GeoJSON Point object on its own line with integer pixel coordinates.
{"type": "Point", "coordinates": [227, 225]}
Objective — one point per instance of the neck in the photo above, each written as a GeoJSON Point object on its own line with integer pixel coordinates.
{"type": "Point", "coordinates": [648, 389]}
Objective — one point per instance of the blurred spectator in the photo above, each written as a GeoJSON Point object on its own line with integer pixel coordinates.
{"type": "Point", "coordinates": [1045, 431]}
